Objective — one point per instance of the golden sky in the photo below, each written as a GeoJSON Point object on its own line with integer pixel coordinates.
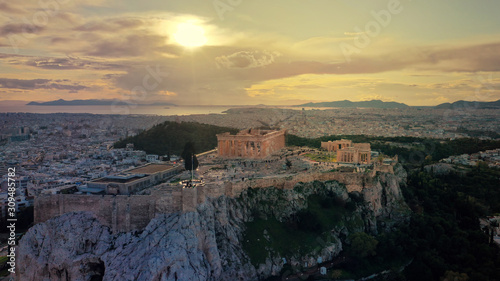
{"type": "Point", "coordinates": [230, 52]}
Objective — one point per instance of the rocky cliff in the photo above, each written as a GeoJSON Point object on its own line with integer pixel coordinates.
{"type": "Point", "coordinates": [212, 243]}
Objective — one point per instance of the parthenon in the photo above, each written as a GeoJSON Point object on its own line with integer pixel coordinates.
{"type": "Point", "coordinates": [349, 152]}
{"type": "Point", "coordinates": [250, 143]}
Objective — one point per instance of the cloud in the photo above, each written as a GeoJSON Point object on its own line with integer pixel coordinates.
{"type": "Point", "coordinates": [233, 66]}
{"type": "Point", "coordinates": [71, 63]}
{"type": "Point", "coordinates": [472, 58]}
{"type": "Point", "coordinates": [22, 84]}
{"type": "Point", "coordinates": [369, 97]}
{"type": "Point", "coordinates": [66, 63]}
{"type": "Point", "coordinates": [477, 58]}
{"type": "Point", "coordinates": [353, 33]}
{"type": "Point", "coordinates": [32, 84]}
{"type": "Point", "coordinates": [322, 42]}
{"type": "Point", "coordinates": [131, 46]}
{"type": "Point", "coordinates": [16, 28]}
{"type": "Point", "coordinates": [119, 37]}
{"type": "Point", "coordinates": [8, 7]}
{"type": "Point", "coordinates": [239, 74]}
{"type": "Point", "coordinates": [112, 25]}
{"type": "Point", "coordinates": [247, 59]}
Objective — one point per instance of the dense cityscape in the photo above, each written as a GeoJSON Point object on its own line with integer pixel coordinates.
{"type": "Point", "coordinates": [257, 140]}
{"type": "Point", "coordinates": [63, 151]}
{"type": "Point", "coordinates": [75, 154]}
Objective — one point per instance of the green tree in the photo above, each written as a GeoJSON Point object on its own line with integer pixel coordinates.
{"type": "Point", "coordinates": [454, 276]}
{"type": "Point", "coordinates": [188, 154]}
{"type": "Point", "coordinates": [380, 158]}
{"type": "Point", "coordinates": [428, 160]}
{"type": "Point", "coordinates": [308, 221]}
{"type": "Point", "coordinates": [362, 245]}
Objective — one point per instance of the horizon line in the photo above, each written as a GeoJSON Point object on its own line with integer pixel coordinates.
{"type": "Point", "coordinates": [240, 105]}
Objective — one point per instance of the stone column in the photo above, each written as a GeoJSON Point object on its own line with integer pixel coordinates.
{"type": "Point", "coordinates": [220, 146]}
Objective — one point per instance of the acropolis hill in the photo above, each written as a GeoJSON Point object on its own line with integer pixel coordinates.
{"type": "Point", "coordinates": [250, 159]}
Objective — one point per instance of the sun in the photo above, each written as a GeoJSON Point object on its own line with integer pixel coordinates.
{"type": "Point", "coordinates": [190, 35]}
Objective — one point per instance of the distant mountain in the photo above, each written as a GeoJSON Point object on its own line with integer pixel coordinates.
{"type": "Point", "coordinates": [90, 102]}
{"type": "Point", "coordinates": [351, 104]}
{"type": "Point", "coordinates": [470, 104]}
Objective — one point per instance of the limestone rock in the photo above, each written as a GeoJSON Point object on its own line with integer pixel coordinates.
{"type": "Point", "coordinates": [69, 247]}
{"type": "Point", "coordinates": [202, 245]}
{"type": "Point", "coordinates": [440, 169]}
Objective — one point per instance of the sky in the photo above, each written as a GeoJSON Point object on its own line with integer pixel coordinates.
{"type": "Point", "coordinates": [249, 52]}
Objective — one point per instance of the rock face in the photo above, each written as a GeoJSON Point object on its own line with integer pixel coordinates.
{"type": "Point", "coordinates": [440, 169]}
{"type": "Point", "coordinates": [201, 245]}
{"type": "Point", "coordinates": [385, 205]}
{"type": "Point", "coordinates": [69, 247]}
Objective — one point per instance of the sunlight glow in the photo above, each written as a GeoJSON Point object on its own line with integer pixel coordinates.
{"type": "Point", "coordinates": [190, 35]}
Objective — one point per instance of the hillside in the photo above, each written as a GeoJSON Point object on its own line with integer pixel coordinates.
{"type": "Point", "coordinates": [170, 137]}
{"type": "Point", "coordinates": [461, 104]}
{"type": "Point", "coordinates": [351, 104]}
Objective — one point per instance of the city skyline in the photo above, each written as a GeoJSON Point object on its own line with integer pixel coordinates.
{"type": "Point", "coordinates": [250, 52]}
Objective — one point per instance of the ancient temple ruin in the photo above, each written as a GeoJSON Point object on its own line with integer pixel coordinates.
{"type": "Point", "coordinates": [349, 152]}
{"type": "Point", "coordinates": [250, 143]}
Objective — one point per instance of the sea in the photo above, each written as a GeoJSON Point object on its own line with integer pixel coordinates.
{"type": "Point", "coordinates": [108, 109]}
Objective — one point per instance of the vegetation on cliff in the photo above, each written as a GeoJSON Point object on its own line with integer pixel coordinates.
{"type": "Point", "coordinates": [444, 237]}
{"type": "Point", "coordinates": [302, 232]}
{"type": "Point", "coordinates": [319, 219]}
{"type": "Point", "coordinates": [444, 233]}
{"type": "Point", "coordinates": [170, 137]}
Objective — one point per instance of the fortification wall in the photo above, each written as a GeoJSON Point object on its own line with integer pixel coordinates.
{"type": "Point", "coordinates": [352, 181]}
{"type": "Point", "coordinates": [383, 168]}
{"type": "Point", "coordinates": [214, 190]}
{"type": "Point", "coordinates": [168, 199]}
{"type": "Point", "coordinates": [124, 213]}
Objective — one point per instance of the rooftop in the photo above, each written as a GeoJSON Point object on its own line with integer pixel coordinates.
{"type": "Point", "coordinates": [151, 169]}
{"type": "Point", "coordinates": [123, 178]}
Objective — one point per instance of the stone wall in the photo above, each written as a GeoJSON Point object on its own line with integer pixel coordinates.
{"type": "Point", "coordinates": [124, 213]}
{"type": "Point", "coordinates": [383, 169]}
{"type": "Point", "coordinates": [353, 181]}
{"type": "Point", "coordinates": [120, 213]}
